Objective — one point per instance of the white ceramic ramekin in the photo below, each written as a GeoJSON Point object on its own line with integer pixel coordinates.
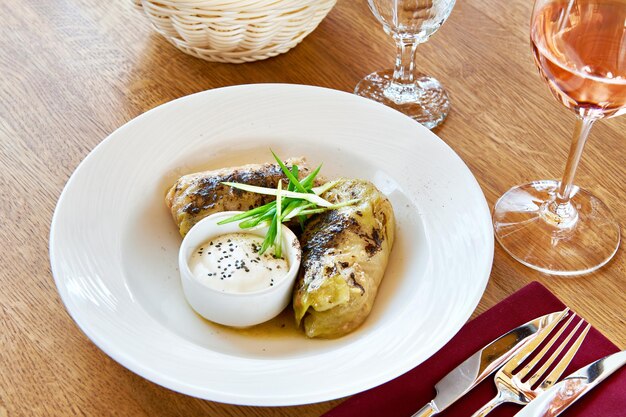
{"type": "Point", "coordinates": [236, 309]}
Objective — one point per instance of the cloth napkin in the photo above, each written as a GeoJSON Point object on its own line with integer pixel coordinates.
{"type": "Point", "coordinates": [409, 392]}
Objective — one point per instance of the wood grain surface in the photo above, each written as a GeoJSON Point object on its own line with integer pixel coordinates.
{"type": "Point", "coordinates": [72, 71]}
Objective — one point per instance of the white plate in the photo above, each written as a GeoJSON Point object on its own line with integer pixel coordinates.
{"type": "Point", "coordinates": [113, 245]}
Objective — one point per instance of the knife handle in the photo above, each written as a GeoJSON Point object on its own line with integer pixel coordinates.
{"type": "Point", "coordinates": [426, 411]}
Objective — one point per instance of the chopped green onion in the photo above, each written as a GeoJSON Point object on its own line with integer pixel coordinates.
{"type": "Point", "coordinates": [253, 222]}
{"type": "Point", "coordinates": [323, 188]}
{"type": "Point", "coordinates": [279, 223]}
{"type": "Point", "coordinates": [269, 238]}
{"type": "Point", "coordinates": [247, 214]}
{"type": "Point", "coordinates": [288, 173]}
{"type": "Point", "coordinates": [313, 198]}
{"type": "Point", "coordinates": [301, 219]}
{"type": "Point", "coordinates": [295, 208]}
{"type": "Point", "coordinates": [321, 210]}
{"type": "Point", "coordinates": [307, 182]}
{"type": "Point", "coordinates": [294, 171]}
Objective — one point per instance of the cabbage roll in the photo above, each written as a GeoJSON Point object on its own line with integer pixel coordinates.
{"type": "Point", "coordinates": [196, 196]}
{"type": "Point", "coordinates": [344, 256]}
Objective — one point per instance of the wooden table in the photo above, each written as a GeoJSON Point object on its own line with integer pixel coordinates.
{"type": "Point", "coordinates": [72, 71]}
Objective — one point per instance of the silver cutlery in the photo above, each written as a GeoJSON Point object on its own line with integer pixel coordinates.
{"type": "Point", "coordinates": [516, 386]}
{"type": "Point", "coordinates": [483, 363]}
{"type": "Point", "coordinates": [555, 400]}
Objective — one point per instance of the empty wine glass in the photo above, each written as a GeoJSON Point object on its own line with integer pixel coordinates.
{"type": "Point", "coordinates": [580, 50]}
{"type": "Point", "coordinates": [409, 22]}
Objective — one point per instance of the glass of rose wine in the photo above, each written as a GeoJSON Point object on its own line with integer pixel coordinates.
{"type": "Point", "coordinates": [557, 227]}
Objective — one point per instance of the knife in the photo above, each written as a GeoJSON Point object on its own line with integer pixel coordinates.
{"type": "Point", "coordinates": [483, 363]}
{"type": "Point", "coordinates": [552, 402]}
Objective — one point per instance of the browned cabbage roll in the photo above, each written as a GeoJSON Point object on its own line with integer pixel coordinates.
{"type": "Point", "coordinates": [196, 196]}
{"type": "Point", "coordinates": [344, 256]}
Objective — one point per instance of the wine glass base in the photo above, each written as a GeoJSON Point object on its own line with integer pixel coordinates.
{"type": "Point", "coordinates": [528, 232]}
{"type": "Point", "coordinates": [425, 100]}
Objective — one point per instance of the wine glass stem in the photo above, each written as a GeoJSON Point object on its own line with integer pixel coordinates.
{"type": "Point", "coordinates": [404, 71]}
{"type": "Point", "coordinates": [581, 132]}
{"type": "Point", "coordinates": [561, 211]}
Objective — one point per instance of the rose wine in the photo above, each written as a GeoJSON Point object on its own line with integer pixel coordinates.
{"type": "Point", "coordinates": [580, 49]}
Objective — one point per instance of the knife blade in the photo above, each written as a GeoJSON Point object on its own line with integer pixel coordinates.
{"type": "Point", "coordinates": [563, 394]}
{"type": "Point", "coordinates": [483, 363]}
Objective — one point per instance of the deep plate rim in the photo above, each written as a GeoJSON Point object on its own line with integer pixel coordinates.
{"type": "Point", "coordinates": [153, 375]}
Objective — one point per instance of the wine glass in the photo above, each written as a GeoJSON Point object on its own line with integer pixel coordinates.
{"type": "Point", "coordinates": [557, 227]}
{"type": "Point", "coordinates": [409, 22]}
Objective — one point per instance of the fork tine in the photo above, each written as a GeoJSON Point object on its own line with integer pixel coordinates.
{"type": "Point", "coordinates": [539, 373]}
{"type": "Point", "coordinates": [532, 345]}
{"type": "Point", "coordinates": [536, 358]}
{"type": "Point", "coordinates": [560, 367]}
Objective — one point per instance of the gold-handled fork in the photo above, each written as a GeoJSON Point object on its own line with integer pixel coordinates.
{"type": "Point", "coordinates": [509, 383]}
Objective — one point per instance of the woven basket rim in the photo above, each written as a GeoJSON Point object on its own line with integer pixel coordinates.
{"type": "Point", "coordinates": [285, 4]}
{"type": "Point", "coordinates": [235, 36]}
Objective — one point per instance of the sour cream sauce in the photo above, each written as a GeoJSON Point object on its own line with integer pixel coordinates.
{"type": "Point", "coordinates": [231, 263]}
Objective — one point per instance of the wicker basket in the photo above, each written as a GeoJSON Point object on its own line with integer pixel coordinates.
{"type": "Point", "coordinates": [234, 31]}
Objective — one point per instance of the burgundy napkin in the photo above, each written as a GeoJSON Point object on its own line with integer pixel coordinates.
{"type": "Point", "coordinates": [409, 392]}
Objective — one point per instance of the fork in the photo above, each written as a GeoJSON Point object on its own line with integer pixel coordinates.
{"type": "Point", "coordinates": [509, 383]}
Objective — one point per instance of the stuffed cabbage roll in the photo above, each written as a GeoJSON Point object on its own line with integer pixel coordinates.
{"type": "Point", "coordinates": [196, 196]}
{"type": "Point", "coordinates": [344, 256]}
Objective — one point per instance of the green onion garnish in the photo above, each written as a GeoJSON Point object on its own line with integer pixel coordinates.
{"type": "Point", "coordinates": [299, 200]}
{"type": "Point", "coordinates": [313, 198]}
